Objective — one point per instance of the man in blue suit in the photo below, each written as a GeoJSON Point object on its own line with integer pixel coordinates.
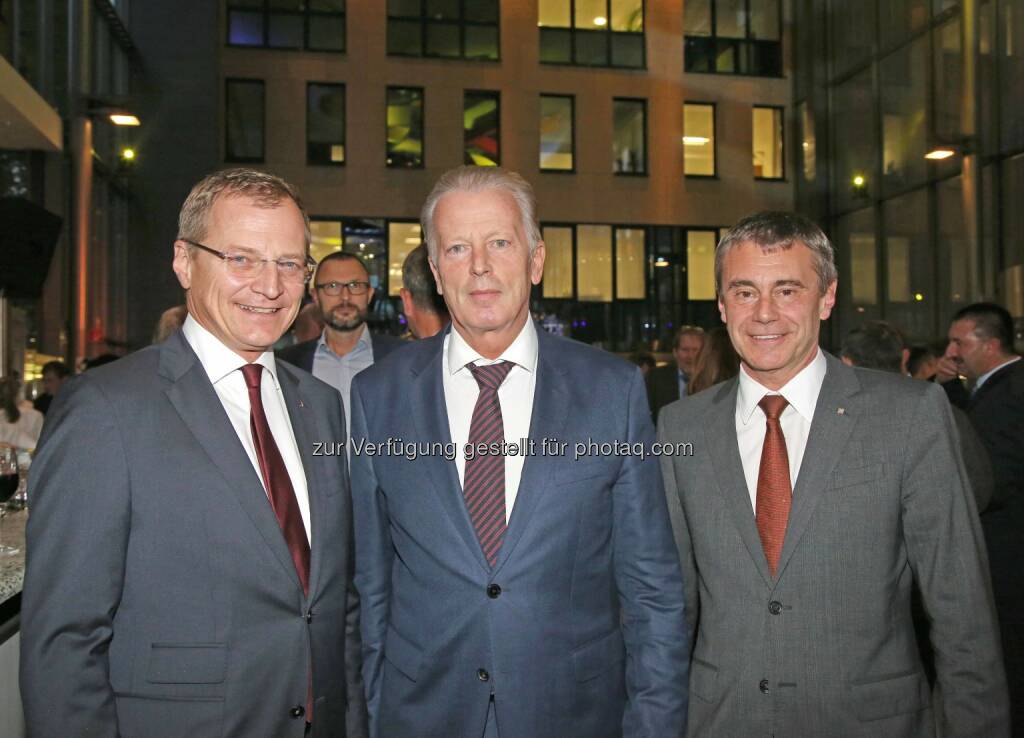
{"type": "Point", "coordinates": [516, 578]}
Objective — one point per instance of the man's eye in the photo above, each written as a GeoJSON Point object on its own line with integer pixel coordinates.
{"type": "Point", "coordinates": [289, 266]}
{"type": "Point", "coordinates": [238, 260]}
{"type": "Point", "coordinates": [456, 248]}
{"type": "Point", "coordinates": [501, 243]}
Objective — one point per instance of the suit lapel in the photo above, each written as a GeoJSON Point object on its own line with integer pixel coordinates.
{"type": "Point", "coordinates": [430, 418]}
{"type": "Point", "coordinates": [830, 431]}
{"type": "Point", "coordinates": [720, 430]}
{"type": "Point", "coordinates": [305, 427]}
{"type": "Point", "coordinates": [547, 419]}
{"type": "Point", "coordinates": [195, 400]}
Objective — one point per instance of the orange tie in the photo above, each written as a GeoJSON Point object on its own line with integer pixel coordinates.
{"type": "Point", "coordinates": [774, 489]}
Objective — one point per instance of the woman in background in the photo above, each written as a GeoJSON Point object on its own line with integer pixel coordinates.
{"type": "Point", "coordinates": [716, 362]}
{"type": "Point", "coordinates": [20, 426]}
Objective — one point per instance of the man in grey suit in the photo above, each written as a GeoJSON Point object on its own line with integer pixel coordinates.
{"type": "Point", "coordinates": [815, 495]}
{"type": "Point", "coordinates": [529, 589]}
{"type": "Point", "coordinates": [189, 569]}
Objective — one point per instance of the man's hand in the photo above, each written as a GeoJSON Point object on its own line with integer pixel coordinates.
{"type": "Point", "coordinates": [946, 369]}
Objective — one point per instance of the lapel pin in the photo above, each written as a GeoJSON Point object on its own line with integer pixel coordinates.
{"type": "Point", "coordinates": [302, 404]}
{"type": "Point", "coordinates": [841, 411]}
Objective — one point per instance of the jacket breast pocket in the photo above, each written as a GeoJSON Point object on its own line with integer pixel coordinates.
{"type": "Point", "coordinates": [890, 695]}
{"type": "Point", "coordinates": [597, 657]}
{"type": "Point", "coordinates": [857, 475]}
{"type": "Point", "coordinates": [187, 663]}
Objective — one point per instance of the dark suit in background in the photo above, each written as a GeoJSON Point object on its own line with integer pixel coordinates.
{"type": "Point", "coordinates": [662, 387]}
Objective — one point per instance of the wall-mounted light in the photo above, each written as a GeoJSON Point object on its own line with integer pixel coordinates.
{"type": "Point", "coordinates": [940, 153]}
{"type": "Point", "coordinates": [695, 140]}
{"type": "Point", "coordinates": [127, 154]}
{"type": "Point", "coordinates": [859, 181]}
{"type": "Point", "coordinates": [124, 119]}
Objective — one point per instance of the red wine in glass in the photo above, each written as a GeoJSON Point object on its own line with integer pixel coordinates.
{"type": "Point", "coordinates": [8, 486]}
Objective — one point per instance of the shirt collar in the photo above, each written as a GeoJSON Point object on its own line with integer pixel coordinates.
{"type": "Point", "coordinates": [362, 343]}
{"type": "Point", "coordinates": [985, 377]}
{"type": "Point", "coordinates": [801, 391]}
{"type": "Point", "coordinates": [522, 351]}
{"type": "Point", "coordinates": [217, 359]}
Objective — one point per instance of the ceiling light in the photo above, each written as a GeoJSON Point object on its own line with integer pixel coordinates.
{"type": "Point", "coordinates": [600, 21]}
{"type": "Point", "coordinates": [124, 119]}
{"type": "Point", "coordinates": [858, 180]}
{"type": "Point", "coordinates": [940, 153]}
{"type": "Point", "coordinates": [695, 140]}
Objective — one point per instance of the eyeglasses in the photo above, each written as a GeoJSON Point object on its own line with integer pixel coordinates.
{"type": "Point", "coordinates": [333, 289]}
{"type": "Point", "coordinates": [247, 267]}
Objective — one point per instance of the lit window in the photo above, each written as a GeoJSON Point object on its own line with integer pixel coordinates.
{"type": "Point", "coordinates": [326, 236]}
{"type": "Point", "coordinates": [767, 143]}
{"type": "Point", "coordinates": [556, 133]}
{"type": "Point", "coordinates": [594, 263]}
{"type": "Point", "coordinates": [733, 37]}
{"type": "Point", "coordinates": [405, 127]}
{"type": "Point", "coordinates": [629, 137]}
{"type": "Point", "coordinates": [317, 25]}
{"type": "Point", "coordinates": [557, 282]}
{"type": "Point", "coordinates": [446, 29]}
{"type": "Point", "coordinates": [481, 120]}
{"type": "Point", "coordinates": [630, 263]}
{"type": "Point", "coordinates": [595, 33]}
{"type": "Point", "coordinates": [402, 238]}
{"type": "Point", "coordinates": [325, 123]}
{"type": "Point", "coordinates": [244, 119]}
{"type": "Point", "coordinates": [700, 265]}
{"type": "Point", "coordinates": [699, 140]}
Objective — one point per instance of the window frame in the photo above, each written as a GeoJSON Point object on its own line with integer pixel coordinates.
{"type": "Point", "coordinates": [714, 139]}
{"type": "Point", "coordinates": [782, 136]}
{"type": "Point", "coordinates": [572, 111]}
{"type": "Point", "coordinates": [307, 14]}
{"type": "Point", "coordinates": [423, 116]}
{"type": "Point", "coordinates": [344, 123]}
{"type": "Point", "coordinates": [228, 81]}
{"type": "Point", "coordinates": [425, 21]}
{"type": "Point", "coordinates": [573, 31]}
{"type": "Point", "coordinates": [745, 43]}
{"type": "Point", "coordinates": [645, 172]}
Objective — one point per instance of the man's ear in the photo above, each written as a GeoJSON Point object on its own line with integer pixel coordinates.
{"type": "Point", "coordinates": [407, 304]}
{"type": "Point", "coordinates": [182, 264]}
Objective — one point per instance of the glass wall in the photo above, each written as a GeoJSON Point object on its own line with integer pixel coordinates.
{"type": "Point", "coordinates": [592, 33]}
{"type": "Point", "coordinates": [629, 136]}
{"type": "Point", "coordinates": [556, 133]}
{"type": "Point", "coordinates": [699, 139]}
{"type": "Point", "coordinates": [769, 162]}
{"type": "Point", "coordinates": [446, 29]}
{"type": "Point", "coordinates": [325, 124]}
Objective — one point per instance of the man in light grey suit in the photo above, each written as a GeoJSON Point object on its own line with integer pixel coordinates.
{"type": "Point", "coordinates": [815, 495]}
{"type": "Point", "coordinates": [532, 596]}
{"type": "Point", "coordinates": [189, 568]}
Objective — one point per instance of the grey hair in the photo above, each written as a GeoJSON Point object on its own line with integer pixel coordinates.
{"type": "Point", "coordinates": [418, 279]}
{"type": "Point", "coordinates": [263, 189]}
{"type": "Point", "coordinates": [478, 179]}
{"type": "Point", "coordinates": [780, 230]}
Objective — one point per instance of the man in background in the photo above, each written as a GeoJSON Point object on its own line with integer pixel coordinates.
{"type": "Point", "coordinates": [342, 293]}
{"type": "Point", "coordinates": [667, 383]}
{"type": "Point", "coordinates": [423, 306]}
{"type": "Point", "coordinates": [55, 374]}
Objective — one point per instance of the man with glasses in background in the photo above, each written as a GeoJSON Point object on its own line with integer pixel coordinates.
{"type": "Point", "coordinates": [189, 569]}
{"type": "Point", "coordinates": [341, 291]}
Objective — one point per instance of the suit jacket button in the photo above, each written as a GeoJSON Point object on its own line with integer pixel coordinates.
{"type": "Point", "coordinates": [774, 607]}
{"type": "Point", "coordinates": [493, 591]}
{"type": "Point", "coordinates": [297, 711]}
{"type": "Point", "coordinates": [482, 675]}
{"type": "Point", "coordinates": [309, 616]}
{"type": "Point", "coordinates": [763, 686]}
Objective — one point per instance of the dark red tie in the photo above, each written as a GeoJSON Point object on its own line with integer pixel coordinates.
{"type": "Point", "coordinates": [774, 490]}
{"type": "Point", "coordinates": [484, 480]}
{"type": "Point", "coordinates": [275, 477]}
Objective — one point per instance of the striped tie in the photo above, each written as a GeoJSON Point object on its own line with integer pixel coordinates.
{"type": "Point", "coordinates": [484, 479]}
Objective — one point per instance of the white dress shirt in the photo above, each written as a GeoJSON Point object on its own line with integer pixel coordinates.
{"type": "Point", "coordinates": [224, 368]}
{"type": "Point", "coordinates": [802, 394]}
{"type": "Point", "coordinates": [515, 396]}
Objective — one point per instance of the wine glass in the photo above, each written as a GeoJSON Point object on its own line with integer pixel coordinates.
{"type": "Point", "coordinates": [8, 486]}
